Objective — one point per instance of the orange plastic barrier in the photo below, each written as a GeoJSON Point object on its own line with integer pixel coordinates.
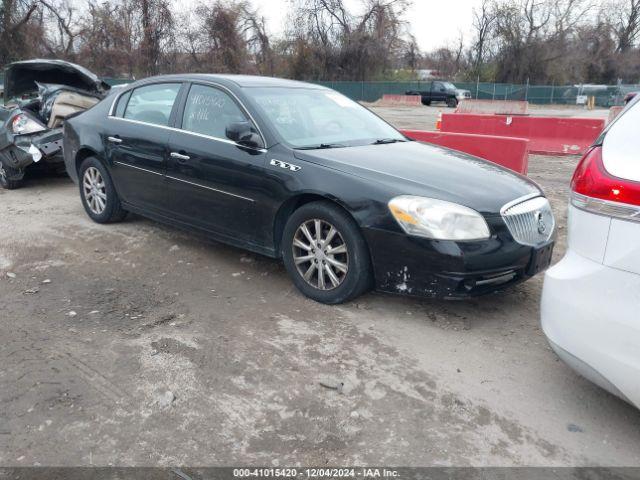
{"type": "Point", "coordinates": [500, 107]}
{"type": "Point", "coordinates": [403, 100]}
{"type": "Point", "coordinates": [512, 153]}
{"type": "Point", "coordinates": [546, 135]}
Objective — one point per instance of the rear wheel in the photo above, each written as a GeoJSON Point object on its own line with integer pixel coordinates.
{"type": "Point", "coordinates": [426, 102]}
{"type": "Point", "coordinates": [6, 181]}
{"type": "Point", "coordinates": [98, 194]}
{"type": "Point", "coordinates": [325, 253]}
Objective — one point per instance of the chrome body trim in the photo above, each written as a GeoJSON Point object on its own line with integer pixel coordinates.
{"type": "Point", "coordinates": [138, 168]}
{"type": "Point", "coordinates": [598, 206]}
{"type": "Point", "coordinates": [186, 181]}
{"type": "Point", "coordinates": [211, 188]}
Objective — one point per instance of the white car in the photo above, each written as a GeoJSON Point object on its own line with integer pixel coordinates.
{"type": "Point", "coordinates": [591, 298]}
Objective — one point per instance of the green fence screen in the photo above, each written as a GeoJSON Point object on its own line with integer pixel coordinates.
{"type": "Point", "coordinates": [606, 96]}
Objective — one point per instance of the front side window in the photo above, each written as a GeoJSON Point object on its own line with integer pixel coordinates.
{"type": "Point", "coordinates": [210, 111]}
{"type": "Point", "coordinates": [152, 103]}
{"type": "Point", "coordinates": [308, 117]}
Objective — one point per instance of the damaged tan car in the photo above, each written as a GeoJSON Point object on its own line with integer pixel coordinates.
{"type": "Point", "coordinates": [38, 96]}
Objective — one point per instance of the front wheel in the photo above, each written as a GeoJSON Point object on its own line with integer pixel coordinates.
{"type": "Point", "coordinates": [452, 102]}
{"type": "Point", "coordinates": [98, 194]}
{"type": "Point", "coordinates": [325, 253]}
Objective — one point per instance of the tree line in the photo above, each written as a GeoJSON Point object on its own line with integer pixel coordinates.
{"type": "Point", "coordinates": [540, 41]}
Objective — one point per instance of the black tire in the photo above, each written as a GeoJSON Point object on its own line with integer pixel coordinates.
{"type": "Point", "coordinates": [426, 103]}
{"type": "Point", "coordinates": [452, 102]}
{"type": "Point", "coordinates": [358, 276]}
{"type": "Point", "coordinates": [5, 173]}
{"type": "Point", "coordinates": [112, 210]}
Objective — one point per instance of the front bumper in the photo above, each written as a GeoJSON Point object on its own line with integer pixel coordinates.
{"type": "Point", "coordinates": [446, 269]}
{"type": "Point", "coordinates": [589, 315]}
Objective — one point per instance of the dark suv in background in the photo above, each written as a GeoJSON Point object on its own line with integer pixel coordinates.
{"type": "Point", "coordinates": [439, 91]}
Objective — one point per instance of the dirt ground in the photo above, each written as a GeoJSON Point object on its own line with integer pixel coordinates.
{"type": "Point", "coordinates": [139, 344]}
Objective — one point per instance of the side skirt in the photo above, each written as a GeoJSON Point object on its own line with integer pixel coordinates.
{"type": "Point", "coordinates": [210, 234]}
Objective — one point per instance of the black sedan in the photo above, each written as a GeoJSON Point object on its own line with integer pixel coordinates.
{"type": "Point", "coordinates": [298, 171]}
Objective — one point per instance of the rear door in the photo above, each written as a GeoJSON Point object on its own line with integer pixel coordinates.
{"type": "Point", "coordinates": [215, 183]}
{"type": "Point", "coordinates": [137, 143]}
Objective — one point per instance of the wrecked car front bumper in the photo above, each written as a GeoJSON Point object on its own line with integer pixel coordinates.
{"type": "Point", "coordinates": [425, 267]}
{"type": "Point", "coordinates": [24, 150]}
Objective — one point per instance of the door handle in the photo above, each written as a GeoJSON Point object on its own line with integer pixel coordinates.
{"type": "Point", "coordinates": [180, 157]}
{"type": "Point", "coordinates": [114, 139]}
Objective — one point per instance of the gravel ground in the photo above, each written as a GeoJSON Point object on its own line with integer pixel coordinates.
{"type": "Point", "coordinates": [138, 344]}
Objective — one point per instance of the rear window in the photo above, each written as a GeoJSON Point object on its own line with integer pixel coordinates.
{"type": "Point", "coordinates": [152, 103]}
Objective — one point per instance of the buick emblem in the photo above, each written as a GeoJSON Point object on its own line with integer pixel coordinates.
{"type": "Point", "coordinates": [542, 227]}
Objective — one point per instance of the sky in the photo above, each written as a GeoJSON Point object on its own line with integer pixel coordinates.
{"type": "Point", "coordinates": [434, 23]}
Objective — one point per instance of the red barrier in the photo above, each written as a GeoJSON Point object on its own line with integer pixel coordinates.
{"type": "Point", "coordinates": [509, 152]}
{"type": "Point", "coordinates": [404, 100]}
{"type": "Point", "coordinates": [546, 135]}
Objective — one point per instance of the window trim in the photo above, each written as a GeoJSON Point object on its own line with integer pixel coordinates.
{"type": "Point", "coordinates": [181, 102]}
{"type": "Point", "coordinates": [176, 102]}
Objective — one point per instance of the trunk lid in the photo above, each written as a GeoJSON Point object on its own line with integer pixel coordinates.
{"type": "Point", "coordinates": [20, 77]}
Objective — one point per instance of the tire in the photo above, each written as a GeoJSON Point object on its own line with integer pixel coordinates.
{"type": "Point", "coordinates": [452, 102]}
{"type": "Point", "coordinates": [98, 195]}
{"type": "Point", "coordinates": [6, 172]}
{"type": "Point", "coordinates": [426, 103]}
{"type": "Point", "coordinates": [350, 283]}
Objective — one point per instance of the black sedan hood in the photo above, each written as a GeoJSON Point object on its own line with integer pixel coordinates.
{"type": "Point", "coordinates": [414, 168]}
{"type": "Point", "coordinates": [20, 77]}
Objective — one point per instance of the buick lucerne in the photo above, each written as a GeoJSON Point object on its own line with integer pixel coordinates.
{"type": "Point", "coordinates": [300, 172]}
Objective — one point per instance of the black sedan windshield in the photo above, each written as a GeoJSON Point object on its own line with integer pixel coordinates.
{"type": "Point", "coordinates": [318, 118]}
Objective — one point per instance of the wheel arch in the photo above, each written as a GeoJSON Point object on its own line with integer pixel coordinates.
{"type": "Point", "coordinates": [294, 203]}
{"type": "Point", "coordinates": [82, 155]}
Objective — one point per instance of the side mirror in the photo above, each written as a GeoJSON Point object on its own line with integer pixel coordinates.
{"type": "Point", "coordinates": [244, 134]}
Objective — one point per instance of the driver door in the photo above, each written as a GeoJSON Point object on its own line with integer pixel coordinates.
{"type": "Point", "coordinates": [214, 183]}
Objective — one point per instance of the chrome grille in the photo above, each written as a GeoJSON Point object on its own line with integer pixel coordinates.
{"type": "Point", "coordinates": [530, 221]}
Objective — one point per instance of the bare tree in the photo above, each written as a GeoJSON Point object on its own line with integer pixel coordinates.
{"type": "Point", "coordinates": [15, 16]}
{"type": "Point", "coordinates": [627, 24]}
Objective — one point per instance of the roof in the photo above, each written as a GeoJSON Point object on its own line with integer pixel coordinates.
{"type": "Point", "coordinates": [245, 81]}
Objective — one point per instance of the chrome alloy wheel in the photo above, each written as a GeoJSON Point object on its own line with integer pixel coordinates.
{"type": "Point", "coordinates": [95, 191]}
{"type": "Point", "coordinates": [320, 254]}
{"type": "Point", "coordinates": [3, 173]}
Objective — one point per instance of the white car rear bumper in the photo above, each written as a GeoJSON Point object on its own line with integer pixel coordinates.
{"type": "Point", "coordinates": [591, 316]}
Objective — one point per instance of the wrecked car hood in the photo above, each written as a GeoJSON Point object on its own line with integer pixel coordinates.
{"type": "Point", "coordinates": [20, 77]}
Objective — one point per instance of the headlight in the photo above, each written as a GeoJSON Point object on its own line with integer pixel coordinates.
{"type": "Point", "coordinates": [22, 125]}
{"type": "Point", "coordinates": [431, 218]}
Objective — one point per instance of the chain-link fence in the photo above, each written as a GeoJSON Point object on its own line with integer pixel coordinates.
{"type": "Point", "coordinates": [605, 96]}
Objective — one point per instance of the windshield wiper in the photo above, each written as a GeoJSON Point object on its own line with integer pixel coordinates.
{"type": "Point", "coordinates": [321, 146]}
{"type": "Point", "coordinates": [382, 141]}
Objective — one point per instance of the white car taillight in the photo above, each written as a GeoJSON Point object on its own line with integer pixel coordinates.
{"type": "Point", "coordinates": [21, 124]}
{"type": "Point", "coordinates": [596, 190]}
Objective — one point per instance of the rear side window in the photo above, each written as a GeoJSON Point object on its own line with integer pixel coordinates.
{"type": "Point", "coordinates": [210, 111]}
{"type": "Point", "coordinates": [122, 104]}
{"type": "Point", "coordinates": [152, 103]}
